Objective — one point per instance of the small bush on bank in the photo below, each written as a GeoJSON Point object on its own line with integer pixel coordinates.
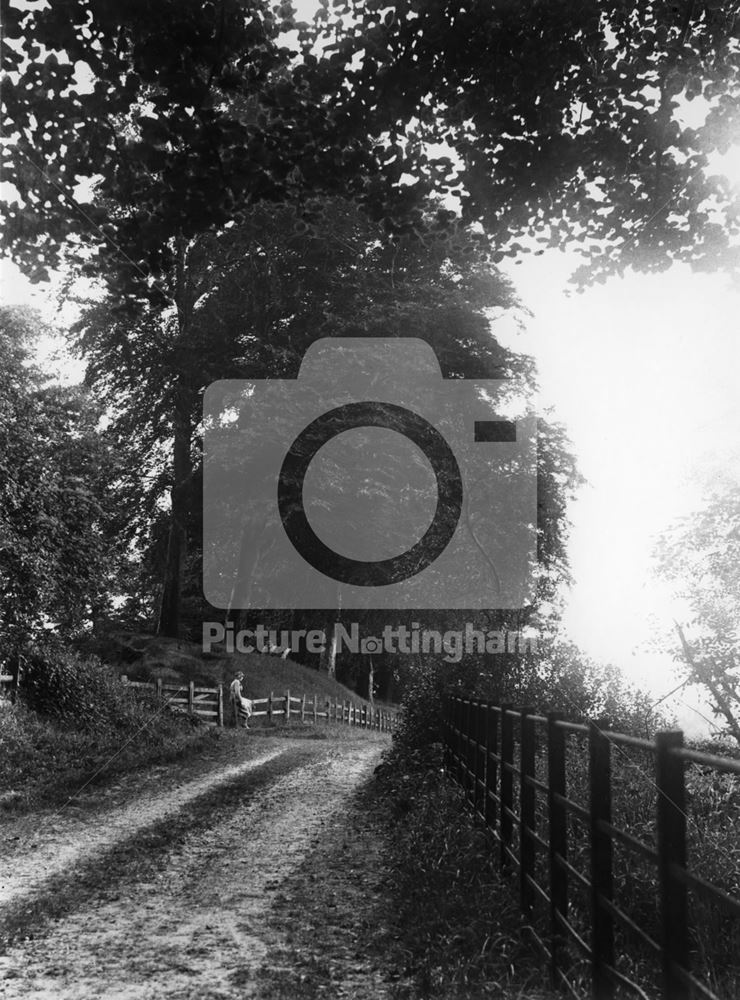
{"type": "Point", "coordinates": [74, 690]}
{"type": "Point", "coordinates": [74, 720]}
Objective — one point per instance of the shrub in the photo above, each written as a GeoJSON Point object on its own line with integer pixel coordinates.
{"type": "Point", "coordinates": [79, 692]}
{"type": "Point", "coordinates": [74, 723]}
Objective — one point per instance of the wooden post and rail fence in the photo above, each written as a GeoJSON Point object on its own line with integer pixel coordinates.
{"type": "Point", "coordinates": [211, 705]}
{"type": "Point", "coordinates": [512, 765]}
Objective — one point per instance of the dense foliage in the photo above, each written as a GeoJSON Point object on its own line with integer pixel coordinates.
{"type": "Point", "coordinates": [57, 556]}
{"type": "Point", "coordinates": [574, 123]}
{"type": "Point", "coordinates": [700, 557]}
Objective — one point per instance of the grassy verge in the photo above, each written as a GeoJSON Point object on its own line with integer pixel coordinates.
{"type": "Point", "coordinates": [459, 932]}
{"type": "Point", "coordinates": [44, 761]}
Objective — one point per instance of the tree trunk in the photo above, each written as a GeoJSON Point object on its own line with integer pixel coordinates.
{"type": "Point", "coordinates": [182, 429]}
{"type": "Point", "coordinates": [169, 619]}
{"type": "Point", "coordinates": [329, 656]}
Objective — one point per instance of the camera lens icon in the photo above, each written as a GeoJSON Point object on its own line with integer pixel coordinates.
{"type": "Point", "coordinates": [371, 644]}
{"type": "Point", "coordinates": [383, 571]}
{"type": "Point", "coordinates": [428, 501]}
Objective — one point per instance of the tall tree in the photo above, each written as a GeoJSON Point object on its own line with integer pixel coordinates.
{"type": "Point", "coordinates": [261, 292]}
{"type": "Point", "coordinates": [176, 119]}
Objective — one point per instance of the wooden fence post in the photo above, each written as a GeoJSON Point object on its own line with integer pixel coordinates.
{"type": "Point", "coordinates": [600, 809]}
{"type": "Point", "coordinates": [303, 708]}
{"type": "Point", "coordinates": [191, 697]}
{"type": "Point", "coordinates": [527, 852]}
{"type": "Point", "coordinates": [221, 705]}
{"type": "Point", "coordinates": [674, 944]}
{"type": "Point", "coordinates": [328, 711]}
{"type": "Point", "coordinates": [159, 687]}
{"type": "Point", "coordinates": [507, 781]}
{"type": "Point", "coordinates": [558, 839]}
{"type": "Point", "coordinates": [269, 709]}
{"type": "Point", "coordinates": [315, 708]}
{"type": "Point", "coordinates": [287, 707]}
{"type": "Point", "coordinates": [489, 806]}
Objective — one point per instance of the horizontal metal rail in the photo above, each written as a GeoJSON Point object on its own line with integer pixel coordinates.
{"type": "Point", "coordinates": [629, 841]}
{"type": "Point", "coordinates": [727, 764]}
{"type": "Point", "coordinates": [628, 922]}
{"type": "Point", "coordinates": [704, 888]}
{"type": "Point", "coordinates": [573, 807]}
{"type": "Point", "coordinates": [623, 739]}
{"type": "Point", "coordinates": [573, 933]}
{"type": "Point", "coordinates": [578, 876]}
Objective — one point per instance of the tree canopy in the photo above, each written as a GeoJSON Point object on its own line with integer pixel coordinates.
{"type": "Point", "coordinates": [589, 124]}
{"type": "Point", "coordinates": [134, 125]}
{"type": "Point", "coordinates": [581, 123]}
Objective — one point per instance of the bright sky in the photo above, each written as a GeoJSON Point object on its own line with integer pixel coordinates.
{"type": "Point", "coordinates": [643, 373]}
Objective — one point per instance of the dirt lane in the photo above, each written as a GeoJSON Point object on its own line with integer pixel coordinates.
{"type": "Point", "coordinates": [204, 893]}
{"type": "Point", "coordinates": [57, 843]}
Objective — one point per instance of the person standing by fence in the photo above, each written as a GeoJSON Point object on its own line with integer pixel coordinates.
{"type": "Point", "coordinates": [242, 706]}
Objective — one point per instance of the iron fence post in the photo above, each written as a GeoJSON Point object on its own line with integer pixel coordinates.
{"type": "Point", "coordinates": [527, 851]}
{"type": "Point", "coordinates": [600, 810]}
{"type": "Point", "coordinates": [489, 806]}
{"type": "Point", "coordinates": [674, 943]}
{"type": "Point", "coordinates": [480, 757]}
{"type": "Point", "coordinates": [507, 782]}
{"type": "Point", "coordinates": [558, 838]}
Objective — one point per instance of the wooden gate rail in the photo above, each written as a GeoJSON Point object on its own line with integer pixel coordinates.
{"type": "Point", "coordinates": [486, 759]}
{"type": "Point", "coordinates": [208, 703]}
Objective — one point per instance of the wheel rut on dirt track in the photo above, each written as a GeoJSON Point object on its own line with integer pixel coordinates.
{"type": "Point", "coordinates": [227, 908]}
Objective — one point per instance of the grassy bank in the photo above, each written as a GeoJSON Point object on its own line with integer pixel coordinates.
{"type": "Point", "coordinates": [146, 658]}
{"type": "Point", "coordinates": [459, 935]}
{"type": "Point", "coordinates": [75, 723]}
{"type": "Point", "coordinates": [44, 761]}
